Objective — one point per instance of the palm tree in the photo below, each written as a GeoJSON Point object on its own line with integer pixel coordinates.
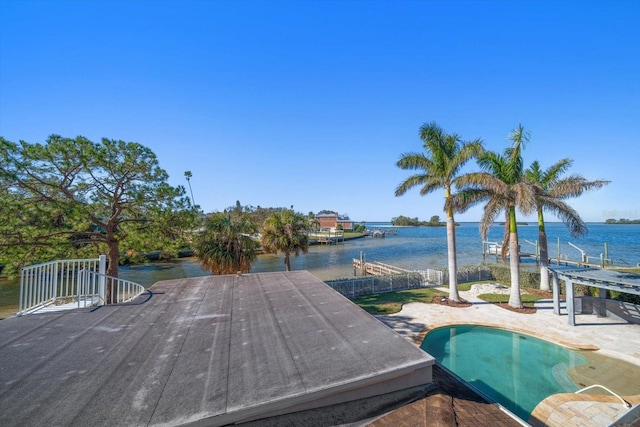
{"type": "Point", "coordinates": [502, 185]}
{"type": "Point", "coordinates": [188, 175]}
{"type": "Point", "coordinates": [226, 246]}
{"type": "Point", "coordinates": [551, 190]}
{"type": "Point", "coordinates": [438, 167]}
{"type": "Point", "coordinates": [286, 231]}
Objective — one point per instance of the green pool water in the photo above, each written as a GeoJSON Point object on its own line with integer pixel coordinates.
{"type": "Point", "coordinates": [518, 371]}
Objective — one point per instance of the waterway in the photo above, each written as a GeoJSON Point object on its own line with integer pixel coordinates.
{"type": "Point", "coordinates": [419, 248]}
{"type": "Point", "coordinates": [413, 248]}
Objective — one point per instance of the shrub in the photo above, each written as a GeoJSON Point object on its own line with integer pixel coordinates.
{"type": "Point", "coordinates": [502, 274]}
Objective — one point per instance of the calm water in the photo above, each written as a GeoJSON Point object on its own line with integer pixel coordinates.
{"type": "Point", "coordinates": [518, 371]}
{"type": "Point", "coordinates": [418, 248]}
{"type": "Point", "coordinates": [413, 248]}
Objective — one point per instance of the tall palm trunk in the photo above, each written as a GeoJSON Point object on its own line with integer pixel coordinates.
{"type": "Point", "coordinates": [544, 252]}
{"type": "Point", "coordinates": [514, 260]}
{"type": "Point", "coordinates": [504, 250]}
{"type": "Point", "coordinates": [451, 256]}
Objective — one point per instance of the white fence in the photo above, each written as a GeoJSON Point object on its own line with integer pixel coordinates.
{"type": "Point", "coordinates": [82, 282]}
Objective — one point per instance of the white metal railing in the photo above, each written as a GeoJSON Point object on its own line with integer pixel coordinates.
{"type": "Point", "coordinates": [106, 289]}
{"type": "Point", "coordinates": [79, 281]}
{"type": "Point", "coordinates": [624, 402]}
{"type": "Point", "coordinates": [44, 284]}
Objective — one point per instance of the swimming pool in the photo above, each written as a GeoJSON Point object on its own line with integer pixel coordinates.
{"type": "Point", "coordinates": [516, 370]}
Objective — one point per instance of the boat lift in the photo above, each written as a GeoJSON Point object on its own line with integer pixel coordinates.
{"type": "Point", "coordinates": [583, 254]}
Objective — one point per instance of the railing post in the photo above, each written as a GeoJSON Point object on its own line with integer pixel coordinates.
{"type": "Point", "coordinates": [80, 284]}
{"type": "Point", "coordinates": [54, 289]}
{"type": "Point", "coordinates": [102, 271]}
{"type": "Point", "coordinates": [23, 285]}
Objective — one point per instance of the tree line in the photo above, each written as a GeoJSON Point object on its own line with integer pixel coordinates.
{"type": "Point", "coordinates": [622, 221]}
{"type": "Point", "coordinates": [230, 240]}
{"type": "Point", "coordinates": [403, 221]}
{"type": "Point", "coordinates": [71, 197]}
{"type": "Point", "coordinates": [75, 198]}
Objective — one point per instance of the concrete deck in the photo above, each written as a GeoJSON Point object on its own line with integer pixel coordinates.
{"type": "Point", "coordinates": [603, 336]}
{"type": "Point", "coordinates": [205, 351]}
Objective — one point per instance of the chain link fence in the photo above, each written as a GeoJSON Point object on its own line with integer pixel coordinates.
{"type": "Point", "coordinates": [474, 273]}
{"type": "Point", "coordinates": [367, 285]}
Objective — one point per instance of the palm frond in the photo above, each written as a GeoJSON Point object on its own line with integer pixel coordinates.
{"type": "Point", "coordinates": [524, 196]}
{"type": "Point", "coordinates": [491, 210]}
{"type": "Point", "coordinates": [553, 173]}
{"type": "Point", "coordinates": [574, 186]}
{"type": "Point", "coordinates": [567, 215]}
{"type": "Point", "coordinates": [464, 199]}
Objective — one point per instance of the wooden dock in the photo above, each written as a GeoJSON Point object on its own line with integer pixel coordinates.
{"type": "Point", "coordinates": [376, 268]}
{"type": "Point", "coordinates": [555, 261]}
{"type": "Point", "coordinates": [381, 232]}
{"type": "Point", "coordinates": [326, 238]}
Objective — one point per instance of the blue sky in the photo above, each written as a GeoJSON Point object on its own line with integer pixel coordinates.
{"type": "Point", "coordinates": [310, 104]}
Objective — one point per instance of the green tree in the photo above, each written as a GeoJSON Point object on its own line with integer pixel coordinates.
{"type": "Point", "coordinates": [502, 186]}
{"type": "Point", "coordinates": [435, 219]}
{"type": "Point", "coordinates": [439, 167]}
{"type": "Point", "coordinates": [551, 190]}
{"type": "Point", "coordinates": [72, 196]}
{"type": "Point", "coordinates": [226, 246]}
{"type": "Point", "coordinates": [287, 232]}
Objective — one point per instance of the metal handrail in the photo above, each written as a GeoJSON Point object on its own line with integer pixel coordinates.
{"type": "Point", "coordinates": [624, 402]}
{"type": "Point", "coordinates": [101, 285]}
{"type": "Point", "coordinates": [82, 280]}
{"type": "Point", "coordinates": [44, 284]}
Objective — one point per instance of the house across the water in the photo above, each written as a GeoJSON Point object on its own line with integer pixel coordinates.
{"type": "Point", "coordinates": [333, 221]}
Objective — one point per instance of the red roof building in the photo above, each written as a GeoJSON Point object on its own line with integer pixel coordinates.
{"type": "Point", "coordinates": [332, 220]}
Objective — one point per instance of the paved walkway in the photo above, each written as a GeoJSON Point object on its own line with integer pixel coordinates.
{"type": "Point", "coordinates": [606, 336]}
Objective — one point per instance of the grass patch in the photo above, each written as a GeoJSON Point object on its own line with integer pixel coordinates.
{"type": "Point", "coordinates": [391, 302]}
{"type": "Point", "coordinates": [462, 287]}
{"type": "Point", "coordinates": [351, 234]}
{"type": "Point", "coordinates": [504, 298]}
